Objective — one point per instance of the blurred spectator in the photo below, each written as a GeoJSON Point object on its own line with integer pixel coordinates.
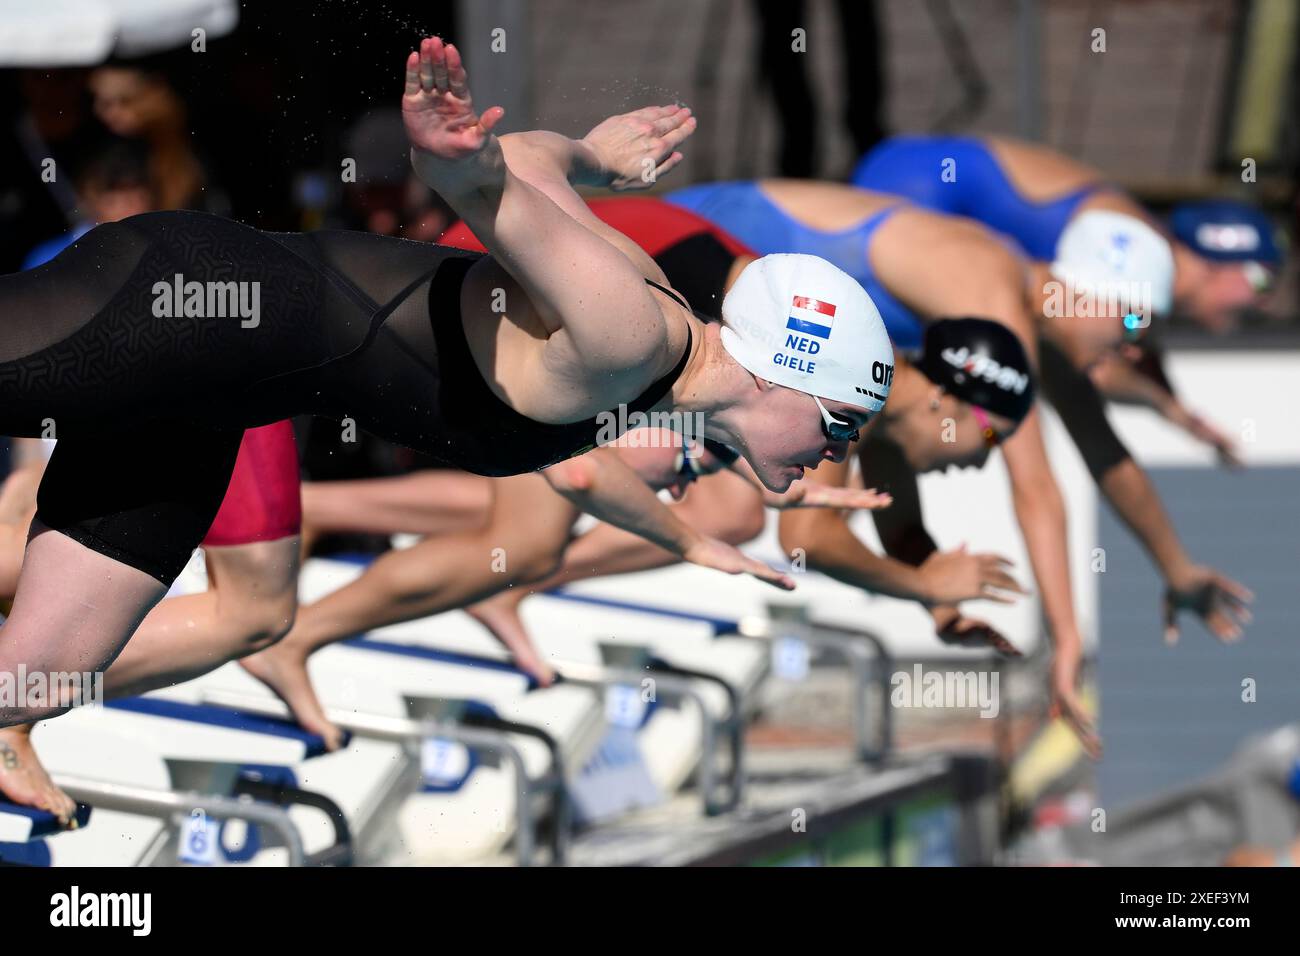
{"type": "Point", "coordinates": [786, 73]}
{"type": "Point", "coordinates": [136, 101]}
{"type": "Point", "coordinates": [112, 184]}
{"type": "Point", "coordinates": [387, 198]}
{"type": "Point", "coordinates": [47, 125]}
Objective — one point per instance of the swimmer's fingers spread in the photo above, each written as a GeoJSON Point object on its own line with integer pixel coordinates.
{"type": "Point", "coordinates": [426, 66]}
{"type": "Point", "coordinates": [667, 164]}
{"type": "Point", "coordinates": [1169, 612]}
{"type": "Point", "coordinates": [1223, 627]}
{"type": "Point", "coordinates": [720, 556]}
{"type": "Point", "coordinates": [995, 576]}
{"type": "Point", "coordinates": [967, 632]}
{"type": "Point", "coordinates": [457, 81]}
{"type": "Point", "coordinates": [1219, 601]}
{"type": "Point", "coordinates": [858, 499]}
{"type": "Point", "coordinates": [675, 128]}
{"type": "Point", "coordinates": [990, 594]}
{"type": "Point", "coordinates": [413, 86]}
{"type": "Point", "coordinates": [1072, 711]}
{"type": "Point", "coordinates": [631, 149]}
{"type": "Point", "coordinates": [439, 57]}
{"type": "Point", "coordinates": [437, 110]}
{"type": "Point", "coordinates": [770, 575]}
{"type": "Point", "coordinates": [1236, 591]}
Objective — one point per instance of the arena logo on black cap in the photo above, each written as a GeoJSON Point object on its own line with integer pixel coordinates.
{"type": "Point", "coordinates": [987, 369]}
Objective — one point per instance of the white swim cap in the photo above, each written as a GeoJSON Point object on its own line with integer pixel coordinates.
{"type": "Point", "coordinates": [798, 321]}
{"type": "Point", "coordinates": [1118, 257]}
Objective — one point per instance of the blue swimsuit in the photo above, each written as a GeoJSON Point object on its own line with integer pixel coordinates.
{"type": "Point", "coordinates": [743, 210]}
{"type": "Point", "coordinates": [961, 176]}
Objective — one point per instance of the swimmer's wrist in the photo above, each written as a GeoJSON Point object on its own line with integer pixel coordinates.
{"type": "Point", "coordinates": [1065, 640]}
{"type": "Point", "coordinates": [486, 168]}
{"type": "Point", "coordinates": [588, 168]}
{"type": "Point", "coordinates": [1180, 573]}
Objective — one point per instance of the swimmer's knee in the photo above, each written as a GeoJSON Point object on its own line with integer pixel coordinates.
{"type": "Point", "coordinates": [257, 590]}
{"type": "Point", "coordinates": [269, 622]}
{"type": "Point", "coordinates": [264, 622]}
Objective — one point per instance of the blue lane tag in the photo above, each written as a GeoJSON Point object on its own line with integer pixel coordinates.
{"type": "Point", "coordinates": [624, 706]}
{"type": "Point", "coordinates": [790, 658]}
{"type": "Point", "coordinates": [443, 762]}
{"type": "Point", "coordinates": [200, 840]}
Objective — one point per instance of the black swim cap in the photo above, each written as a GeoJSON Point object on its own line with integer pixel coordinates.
{"type": "Point", "coordinates": [981, 362]}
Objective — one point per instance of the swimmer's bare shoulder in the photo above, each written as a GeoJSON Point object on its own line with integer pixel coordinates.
{"type": "Point", "coordinates": [820, 205]}
{"type": "Point", "coordinates": [1039, 173]}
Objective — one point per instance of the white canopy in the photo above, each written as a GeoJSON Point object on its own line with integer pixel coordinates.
{"type": "Point", "coordinates": [36, 33]}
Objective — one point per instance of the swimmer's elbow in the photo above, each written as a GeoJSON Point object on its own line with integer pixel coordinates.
{"type": "Point", "coordinates": [577, 476]}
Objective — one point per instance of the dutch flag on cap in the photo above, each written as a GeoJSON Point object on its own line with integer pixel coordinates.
{"type": "Point", "coordinates": [811, 317]}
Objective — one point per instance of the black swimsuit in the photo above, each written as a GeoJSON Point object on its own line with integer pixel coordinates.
{"type": "Point", "coordinates": [149, 407]}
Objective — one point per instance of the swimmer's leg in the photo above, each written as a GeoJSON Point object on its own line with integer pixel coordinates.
{"type": "Point", "coordinates": [74, 610]}
{"type": "Point", "coordinates": [523, 541]}
{"type": "Point", "coordinates": [250, 606]}
{"type": "Point", "coordinates": [118, 516]}
{"type": "Point", "coordinates": [423, 502]}
{"type": "Point", "coordinates": [723, 506]}
{"type": "Point", "coordinates": [17, 507]}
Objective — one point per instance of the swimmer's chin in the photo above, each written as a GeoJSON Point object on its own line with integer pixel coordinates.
{"type": "Point", "coordinates": [780, 482]}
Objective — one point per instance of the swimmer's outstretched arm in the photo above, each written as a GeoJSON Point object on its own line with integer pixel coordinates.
{"type": "Point", "coordinates": [829, 545]}
{"type": "Point", "coordinates": [563, 265]}
{"type": "Point", "coordinates": [980, 276]}
{"type": "Point", "coordinates": [601, 483]}
{"type": "Point", "coordinates": [1120, 381]}
{"type": "Point", "coordinates": [1220, 601]}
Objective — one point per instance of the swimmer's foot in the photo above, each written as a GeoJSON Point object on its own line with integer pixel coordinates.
{"type": "Point", "coordinates": [500, 615]}
{"type": "Point", "coordinates": [23, 780]}
{"type": "Point", "coordinates": [283, 668]}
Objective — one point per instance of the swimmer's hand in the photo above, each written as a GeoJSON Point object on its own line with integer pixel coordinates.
{"type": "Point", "coordinates": [436, 106]}
{"type": "Point", "coordinates": [712, 553]}
{"type": "Point", "coordinates": [634, 149]}
{"type": "Point", "coordinates": [1219, 601]}
{"type": "Point", "coordinates": [808, 494]}
{"type": "Point", "coordinates": [954, 628]}
{"type": "Point", "coordinates": [949, 577]}
{"type": "Point", "coordinates": [1066, 702]}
